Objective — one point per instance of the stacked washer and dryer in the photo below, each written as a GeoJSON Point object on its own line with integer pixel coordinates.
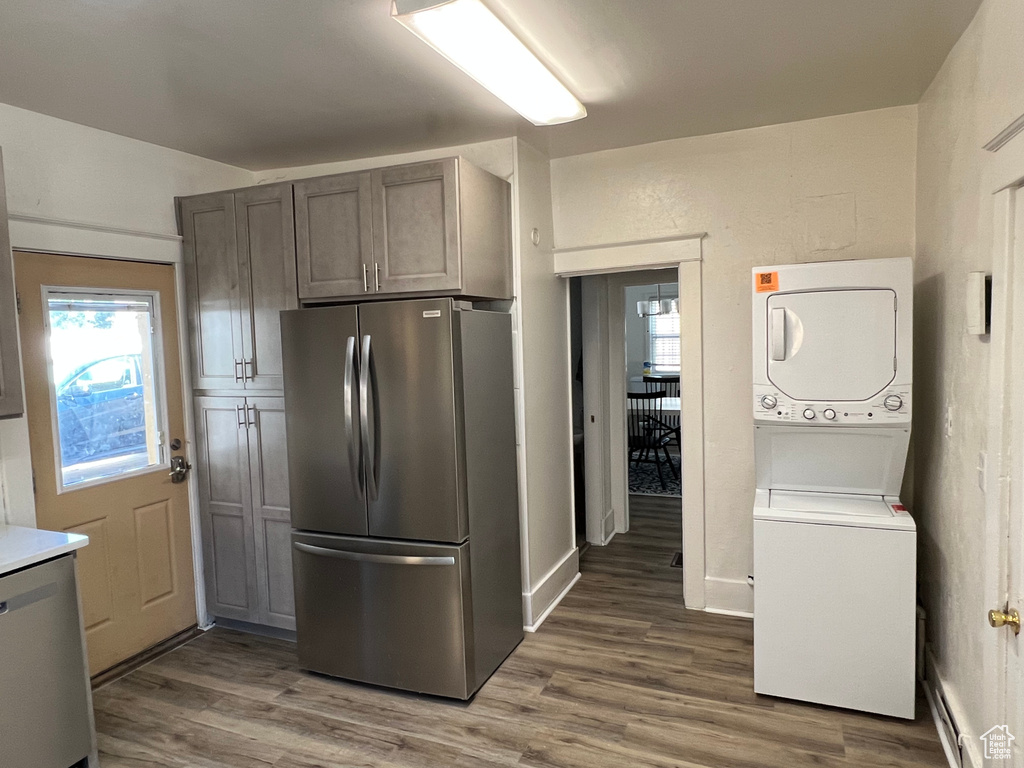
{"type": "Point", "coordinates": [834, 549]}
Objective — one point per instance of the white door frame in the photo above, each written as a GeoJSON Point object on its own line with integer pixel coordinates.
{"type": "Point", "coordinates": [1004, 483]}
{"type": "Point", "coordinates": [69, 238]}
{"type": "Point", "coordinates": [683, 253]}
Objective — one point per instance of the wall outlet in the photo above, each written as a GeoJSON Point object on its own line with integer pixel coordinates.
{"type": "Point", "coordinates": [949, 421]}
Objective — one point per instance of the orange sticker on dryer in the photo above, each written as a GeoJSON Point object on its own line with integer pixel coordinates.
{"type": "Point", "coordinates": [766, 281]}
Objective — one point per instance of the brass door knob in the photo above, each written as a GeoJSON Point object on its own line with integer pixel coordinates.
{"type": "Point", "coordinates": [1005, 618]}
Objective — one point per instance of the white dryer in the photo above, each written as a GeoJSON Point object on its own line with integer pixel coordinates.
{"type": "Point", "coordinates": [832, 400]}
{"type": "Point", "coordinates": [834, 550]}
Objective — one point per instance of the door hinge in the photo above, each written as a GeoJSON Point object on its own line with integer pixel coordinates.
{"type": "Point", "coordinates": [17, 301]}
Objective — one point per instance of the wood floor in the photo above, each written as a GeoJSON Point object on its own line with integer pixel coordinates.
{"type": "Point", "coordinates": [620, 675]}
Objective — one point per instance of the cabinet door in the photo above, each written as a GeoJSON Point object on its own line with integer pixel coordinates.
{"type": "Point", "coordinates": [266, 258]}
{"type": "Point", "coordinates": [225, 503]}
{"type": "Point", "coordinates": [416, 228]}
{"type": "Point", "coordinates": [268, 470]}
{"type": "Point", "coordinates": [212, 289]}
{"type": "Point", "coordinates": [333, 225]}
{"type": "Point", "coordinates": [11, 401]}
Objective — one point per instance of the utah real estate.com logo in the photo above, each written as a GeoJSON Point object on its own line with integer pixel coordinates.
{"type": "Point", "coordinates": [998, 743]}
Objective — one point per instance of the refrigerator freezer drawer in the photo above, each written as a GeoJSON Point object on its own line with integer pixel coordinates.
{"type": "Point", "coordinates": [384, 612]}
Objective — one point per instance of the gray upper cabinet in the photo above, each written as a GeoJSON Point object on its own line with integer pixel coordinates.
{"type": "Point", "coordinates": [212, 288]}
{"type": "Point", "coordinates": [416, 228]}
{"type": "Point", "coordinates": [437, 228]}
{"type": "Point", "coordinates": [333, 235]}
{"type": "Point", "coordinates": [11, 401]}
{"type": "Point", "coordinates": [239, 274]}
{"type": "Point", "coordinates": [264, 219]}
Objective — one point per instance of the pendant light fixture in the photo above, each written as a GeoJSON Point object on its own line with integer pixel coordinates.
{"type": "Point", "coordinates": [659, 306]}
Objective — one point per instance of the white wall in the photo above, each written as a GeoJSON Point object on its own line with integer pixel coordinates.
{"type": "Point", "coordinates": [547, 426]}
{"type": "Point", "coordinates": [977, 93]}
{"type": "Point", "coordinates": [834, 188]}
{"type": "Point", "coordinates": [56, 170]}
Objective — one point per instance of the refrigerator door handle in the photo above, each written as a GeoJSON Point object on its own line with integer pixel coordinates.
{"type": "Point", "coordinates": [373, 557]}
{"type": "Point", "coordinates": [350, 421]}
{"type": "Point", "coordinates": [371, 450]}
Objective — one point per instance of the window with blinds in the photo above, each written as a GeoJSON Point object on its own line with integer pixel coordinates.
{"type": "Point", "coordinates": [663, 343]}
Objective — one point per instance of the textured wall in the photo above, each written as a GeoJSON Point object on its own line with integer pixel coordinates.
{"type": "Point", "coordinates": [834, 188]}
{"type": "Point", "coordinates": [979, 90]}
{"type": "Point", "coordinates": [59, 170]}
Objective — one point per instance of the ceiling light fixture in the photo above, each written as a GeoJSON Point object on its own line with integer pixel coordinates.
{"type": "Point", "coordinates": [658, 306]}
{"type": "Point", "coordinates": [472, 38]}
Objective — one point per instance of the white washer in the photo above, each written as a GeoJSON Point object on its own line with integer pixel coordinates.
{"type": "Point", "coordinates": [834, 551]}
{"type": "Point", "coordinates": [834, 600]}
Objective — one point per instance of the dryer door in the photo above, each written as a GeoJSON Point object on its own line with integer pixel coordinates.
{"type": "Point", "coordinates": [832, 345]}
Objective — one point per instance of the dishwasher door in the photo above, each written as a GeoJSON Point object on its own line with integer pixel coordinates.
{"type": "Point", "coordinates": [44, 702]}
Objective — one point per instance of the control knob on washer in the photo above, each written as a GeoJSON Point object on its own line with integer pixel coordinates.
{"type": "Point", "coordinates": [768, 402]}
{"type": "Point", "coordinates": [808, 413]}
{"type": "Point", "coordinates": [893, 402]}
{"type": "Point", "coordinates": [829, 414]}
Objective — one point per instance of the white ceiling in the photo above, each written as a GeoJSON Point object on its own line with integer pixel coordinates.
{"type": "Point", "coordinates": [289, 82]}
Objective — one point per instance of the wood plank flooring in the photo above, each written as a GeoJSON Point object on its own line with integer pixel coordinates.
{"type": "Point", "coordinates": [620, 675]}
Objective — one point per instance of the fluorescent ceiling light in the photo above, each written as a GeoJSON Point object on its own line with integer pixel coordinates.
{"type": "Point", "coordinates": [471, 37]}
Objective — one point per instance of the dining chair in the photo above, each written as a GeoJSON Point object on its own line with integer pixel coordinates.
{"type": "Point", "coordinates": [670, 385]}
{"type": "Point", "coordinates": [648, 437]}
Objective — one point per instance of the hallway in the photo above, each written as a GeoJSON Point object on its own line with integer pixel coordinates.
{"type": "Point", "coordinates": [619, 675]}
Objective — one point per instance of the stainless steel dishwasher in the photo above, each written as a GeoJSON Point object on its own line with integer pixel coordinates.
{"type": "Point", "coordinates": [44, 697]}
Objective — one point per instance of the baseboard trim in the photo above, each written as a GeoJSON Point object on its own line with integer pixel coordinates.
{"type": "Point", "coordinates": [549, 590]}
{"type": "Point", "coordinates": [608, 527]}
{"type": "Point", "coordinates": [255, 629]}
{"type": "Point", "coordinates": [966, 754]}
{"type": "Point", "coordinates": [732, 597]}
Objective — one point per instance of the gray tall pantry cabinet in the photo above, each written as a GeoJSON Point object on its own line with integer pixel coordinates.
{"type": "Point", "coordinates": [435, 228]}
{"type": "Point", "coordinates": [239, 274]}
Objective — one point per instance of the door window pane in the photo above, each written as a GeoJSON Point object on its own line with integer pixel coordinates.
{"type": "Point", "coordinates": [105, 385]}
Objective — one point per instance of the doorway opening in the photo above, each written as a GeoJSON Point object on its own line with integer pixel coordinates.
{"type": "Point", "coordinates": [625, 375]}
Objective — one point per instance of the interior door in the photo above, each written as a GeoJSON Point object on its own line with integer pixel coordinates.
{"type": "Point", "coordinates": [419, 488]}
{"type": "Point", "coordinates": [104, 402]}
{"type": "Point", "coordinates": [321, 359]}
{"type": "Point", "coordinates": [416, 227]}
{"type": "Point", "coordinates": [832, 345]}
{"type": "Point", "coordinates": [266, 260]}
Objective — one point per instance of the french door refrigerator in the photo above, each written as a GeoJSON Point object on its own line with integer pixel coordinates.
{"type": "Point", "coordinates": [404, 495]}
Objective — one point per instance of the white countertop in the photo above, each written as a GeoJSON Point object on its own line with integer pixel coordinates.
{"type": "Point", "coordinates": [20, 547]}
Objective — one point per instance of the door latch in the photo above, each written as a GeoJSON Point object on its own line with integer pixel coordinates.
{"type": "Point", "coordinates": [179, 469]}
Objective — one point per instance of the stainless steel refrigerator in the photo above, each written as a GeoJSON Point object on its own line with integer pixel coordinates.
{"type": "Point", "coordinates": [404, 495]}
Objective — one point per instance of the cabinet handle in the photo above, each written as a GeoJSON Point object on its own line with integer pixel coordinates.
{"type": "Point", "coordinates": [251, 410]}
{"type": "Point", "coordinates": [249, 369]}
{"type": "Point", "coordinates": [240, 413]}
{"type": "Point", "coordinates": [239, 370]}
{"type": "Point", "coordinates": [366, 280]}
{"type": "Point", "coordinates": [376, 276]}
